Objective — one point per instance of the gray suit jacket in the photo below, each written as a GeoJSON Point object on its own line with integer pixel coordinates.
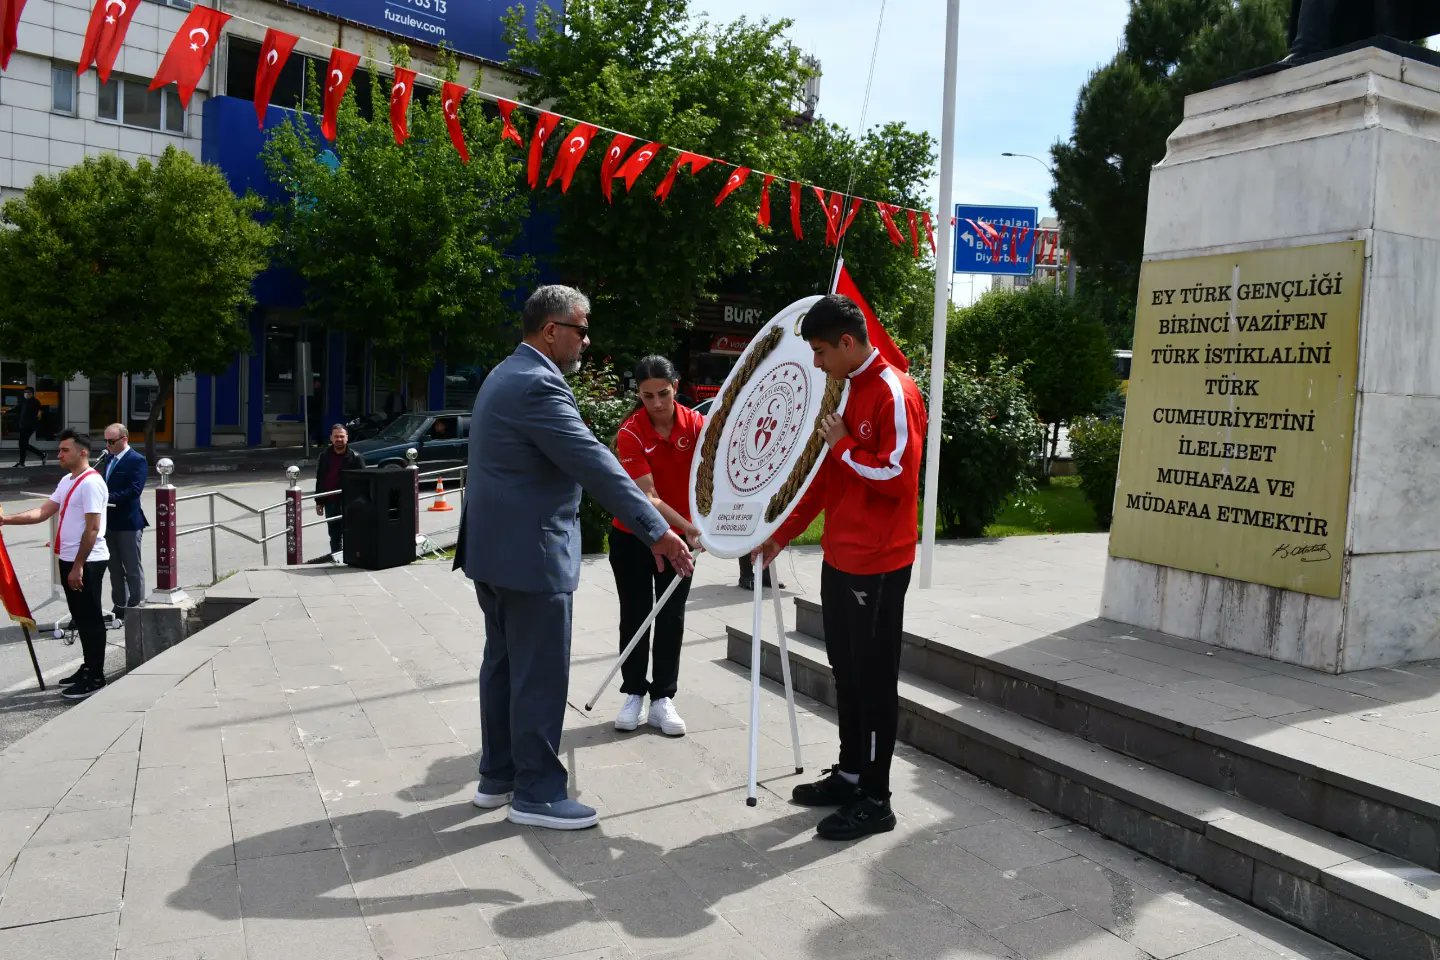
{"type": "Point", "coordinates": [530, 453]}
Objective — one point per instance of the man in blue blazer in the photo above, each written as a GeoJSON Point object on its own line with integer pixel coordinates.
{"type": "Point", "coordinates": [530, 454]}
{"type": "Point", "coordinates": [124, 469]}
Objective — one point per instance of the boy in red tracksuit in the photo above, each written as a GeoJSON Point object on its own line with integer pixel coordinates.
{"type": "Point", "coordinates": [868, 487]}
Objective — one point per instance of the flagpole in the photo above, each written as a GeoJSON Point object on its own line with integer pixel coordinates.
{"type": "Point", "coordinates": [943, 269]}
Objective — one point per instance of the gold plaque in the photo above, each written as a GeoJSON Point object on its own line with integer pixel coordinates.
{"type": "Point", "coordinates": [1240, 416]}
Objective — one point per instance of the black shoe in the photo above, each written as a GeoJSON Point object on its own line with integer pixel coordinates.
{"type": "Point", "coordinates": [859, 819]}
{"type": "Point", "coordinates": [831, 790]}
{"type": "Point", "coordinates": [747, 582]}
{"type": "Point", "coordinates": [75, 677]}
{"type": "Point", "coordinates": [84, 688]}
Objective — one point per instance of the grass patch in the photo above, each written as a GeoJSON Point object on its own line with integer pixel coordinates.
{"type": "Point", "coordinates": [1059, 507]}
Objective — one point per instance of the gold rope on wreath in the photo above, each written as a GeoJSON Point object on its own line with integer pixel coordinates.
{"type": "Point", "coordinates": [705, 478]}
{"type": "Point", "coordinates": [813, 451]}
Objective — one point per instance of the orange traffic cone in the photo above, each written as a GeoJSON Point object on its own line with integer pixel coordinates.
{"type": "Point", "coordinates": [440, 506]}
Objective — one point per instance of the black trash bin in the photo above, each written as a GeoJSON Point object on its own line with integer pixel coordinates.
{"type": "Point", "coordinates": [379, 517]}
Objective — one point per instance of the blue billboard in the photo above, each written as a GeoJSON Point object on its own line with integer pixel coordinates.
{"type": "Point", "coordinates": [472, 27]}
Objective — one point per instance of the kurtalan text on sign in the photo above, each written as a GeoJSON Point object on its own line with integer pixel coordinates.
{"type": "Point", "coordinates": [1240, 416]}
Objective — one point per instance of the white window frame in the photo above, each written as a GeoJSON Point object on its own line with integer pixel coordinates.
{"type": "Point", "coordinates": [166, 92]}
{"type": "Point", "coordinates": [68, 70]}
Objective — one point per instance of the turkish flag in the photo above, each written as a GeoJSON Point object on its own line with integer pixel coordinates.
{"type": "Point", "coordinates": [507, 130]}
{"type": "Point", "coordinates": [190, 51]}
{"type": "Point", "coordinates": [929, 230]}
{"type": "Point", "coordinates": [849, 218]}
{"type": "Point", "coordinates": [9, 29]}
{"type": "Point", "coordinates": [11, 596]}
{"type": "Point", "coordinates": [400, 93]}
{"type": "Point", "coordinates": [611, 163]}
{"type": "Point", "coordinates": [831, 206]}
{"type": "Point", "coordinates": [795, 196]}
{"type": "Point", "coordinates": [878, 336]}
{"type": "Point", "coordinates": [887, 216]}
{"type": "Point", "coordinates": [694, 161]}
{"type": "Point", "coordinates": [337, 79]}
{"type": "Point", "coordinates": [636, 163]}
{"type": "Point", "coordinates": [572, 151]}
{"type": "Point", "coordinates": [274, 52]}
{"type": "Point", "coordinates": [737, 178]}
{"type": "Point", "coordinates": [914, 234]}
{"type": "Point", "coordinates": [546, 126]}
{"type": "Point", "coordinates": [450, 96]}
{"type": "Point", "coordinates": [763, 216]}
{"type": "Point", "coordinates": [108, 23]}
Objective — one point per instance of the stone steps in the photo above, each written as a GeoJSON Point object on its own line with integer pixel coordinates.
{"type": "Point", "coordinates": [1344, 789]}
{"type": "Point", "coordinates": [1372, 903]}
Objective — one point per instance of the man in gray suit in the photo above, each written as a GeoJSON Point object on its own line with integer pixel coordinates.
{"type": "Point", "coordinates": [530, 453]}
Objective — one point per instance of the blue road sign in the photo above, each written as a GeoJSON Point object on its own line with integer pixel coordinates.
{"type": "Point", "coordinates": [995, 240]}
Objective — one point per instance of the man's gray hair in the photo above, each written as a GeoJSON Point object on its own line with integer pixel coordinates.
{"type": "Point", "coordinates": [550, 303]}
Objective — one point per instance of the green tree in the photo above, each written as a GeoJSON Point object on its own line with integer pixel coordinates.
{"type": "Point", "coordinates": [403, 244]}
{"type": "Point", "coordinates": [111, 268]}
{"type": "Point", "coordinates": [1064, 354]}
{"type": "Point", "coordinates": [647, 67]}
{"type": "Point", "coordinates": [1126, 111]}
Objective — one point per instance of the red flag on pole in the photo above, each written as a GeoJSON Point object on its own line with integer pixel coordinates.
{"type": "Point", "coordinates": [9, 29]}
{"type": "Point", "coordinates": [543, 128]}
{"type": "Point", "coordinates": [108, 23]}
{"type": "Point", "coordinates": [795, 196]}
{"type": "Point", "coordinates": [571, 153]}
{"type": "Point", "coordinates": [762, 217]}
{"type": "Point", "coordinates": [274, 52]}
{"type": "Point", "coordinates": [400, 92]}
{"type": "Point", "coordinates": [337, 79]}
{"type": "Point", "coordinates": [508, 131]}
{"type": "Point", "coordinates": [618, 145]}
{"type": "Point", "coordinates": [879, 338]}
{"type": "Point", "coordinates": [694, 161]}
{"type": "Point", "coordinates": [635, 164]}
{"type": "Point", "coordinates": [737, 178]}
{"type": "Point", "coordinates": [450, 96]}
{"type": "Point", "coordinates": [11, 596]}
{"type": "Point", "coordinates": [190, 51]}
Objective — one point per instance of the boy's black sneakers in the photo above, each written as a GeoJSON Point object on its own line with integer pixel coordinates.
{"type": "Point", "coordinates": [831, 790]}
{"type": "Point", "coordinates": [858, 819]}
{"type": "Point", "coordinates": [84, 687]}
{"type": "Point", "coordinates": [75, 677]}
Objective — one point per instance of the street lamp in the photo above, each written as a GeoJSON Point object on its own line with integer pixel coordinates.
{"type": "Point", "coordinates": [1070, 268]}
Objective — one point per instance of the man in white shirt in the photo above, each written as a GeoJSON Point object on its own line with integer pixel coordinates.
{"type": "Point", "coordinates": [80, 499]}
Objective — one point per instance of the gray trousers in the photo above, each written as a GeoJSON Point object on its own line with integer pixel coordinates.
{"type": "Point", "coordinates": [524, 678]}
{"type": "Point", "coordinates": [127, 572]}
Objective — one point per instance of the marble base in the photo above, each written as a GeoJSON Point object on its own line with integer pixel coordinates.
{"type": "Point", "coordinates": [1341, 149]}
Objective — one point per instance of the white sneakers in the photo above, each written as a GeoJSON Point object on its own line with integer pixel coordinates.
{"type": "Point", "coordinates": [662, 715]}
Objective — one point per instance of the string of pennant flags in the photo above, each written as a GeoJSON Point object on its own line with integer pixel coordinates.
{"type": "Point", "coordinates": [194, 44]}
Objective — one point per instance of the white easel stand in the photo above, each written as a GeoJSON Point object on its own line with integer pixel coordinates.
{"type": "Point", "coordinates": [759, 610]}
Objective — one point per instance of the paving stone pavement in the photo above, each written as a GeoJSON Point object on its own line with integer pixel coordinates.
{"type": "Point", "coordinates": [294, 782]}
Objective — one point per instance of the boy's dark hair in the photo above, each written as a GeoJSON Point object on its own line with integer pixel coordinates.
{"type": "Point", "coordinates": [81, 440]}
{"type": "Point", "coordinates": [833, 317]}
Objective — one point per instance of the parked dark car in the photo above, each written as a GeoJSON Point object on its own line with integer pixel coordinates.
{"type": "Point", "coordinates": [439, 436]}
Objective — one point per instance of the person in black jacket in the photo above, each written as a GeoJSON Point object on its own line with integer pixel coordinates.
{"type": "Point", "coordinates": [28, 412]}
{"type": "Point", "coordinates": [329, 465]}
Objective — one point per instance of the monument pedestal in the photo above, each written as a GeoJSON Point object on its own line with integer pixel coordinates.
{"type": "Point", "coordinates": [1343, 149]}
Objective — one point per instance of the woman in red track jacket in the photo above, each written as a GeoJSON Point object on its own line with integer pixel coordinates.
{"type": "Point", "coordinates": [868, 487]}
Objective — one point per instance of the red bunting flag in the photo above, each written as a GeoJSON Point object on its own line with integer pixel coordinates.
{"type": "Point", "coordinates": [879, 337]}
{"type": "Point", "coordinates": [190, 51]}
{"type": "Point", "coordinates": [12, 598]}
{"type": "Point", "coordinates": [400, 93]}
{"type": "Point", "coordinates": [849, 219]}
{"type": "Point", "coordinates": [274, 52]}
{"type": "Point", "coordinates": [795, 196]}
{"type": "Point", "coordinates": [887, 216]}
{"type": "Point", "coordinates": [636, 163]}
{"type": "Point", "coordinates": [694, 161]}
{"type": "Point", "coordinates": [737, 178]}
{"type": "Point", "coordinates": [929, 230]}
{"type": "Point", "coordinates": [611, 163]}
{"type": "Point", "coordinates": [572, 151]}
{"type": "Point", "coordinates": [451, 94]}
{"type": "Point", "coordinates": [9, 29]}
{"type": "Point", "coordinates": [508, 131]}
{"type": "Point", "coordinates": [108, 23]}
{"type": "Point", "coordinates": [762, 217]}
{"type": "Point", "coordinates": [337, 79]}
{"type": "Point", "coordinates": [543, 128]}
{"type": "Point", "coordinates": [914, 234]}
{"type": "Point", "coordinates": [831, 206]}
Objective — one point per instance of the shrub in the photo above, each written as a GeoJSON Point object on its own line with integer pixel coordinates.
{"type": "Point", "coordinates": [1095, 445]}
{"type": "Point", "coordinates": [989, 435]}
{"type": "Point", "coordinates": [603, 408]}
